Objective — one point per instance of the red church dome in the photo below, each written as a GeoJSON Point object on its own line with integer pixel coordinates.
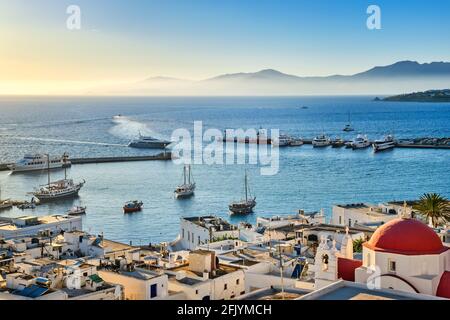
{"type": "Point", "coordinates": [406, 236]}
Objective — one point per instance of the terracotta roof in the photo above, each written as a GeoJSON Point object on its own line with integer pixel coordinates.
{"type": "Point", "coordinates": [406, 236]}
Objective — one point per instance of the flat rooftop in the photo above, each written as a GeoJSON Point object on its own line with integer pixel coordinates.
{"type": "Point", "coordinates": [275, 293]}
{"type": "Point", "coordinates": [7, 224]}
{"type": "Point", "coordinates": [211, 222]}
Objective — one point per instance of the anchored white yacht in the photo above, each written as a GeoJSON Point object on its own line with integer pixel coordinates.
{"type": "Point", "coordinates": [360, 142]}
{"type": "Point", "coordinates": [321, 141]}
{"type": "Point", "coordinates": [35, 162]}
{"type": "Point", "coordinates": [386, 144]}
{"type": "Point", "coordinates": [188, 187]}
{"type": "Point", "coordinates": [64, 188]}
{"type": "Point", "coordinates": [282, 141]}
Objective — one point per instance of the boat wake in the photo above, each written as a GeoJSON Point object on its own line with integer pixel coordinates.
{"type": "Point", "coordinates": [71, 141]}
{"type": "Point", "coordinates": [129, 129]}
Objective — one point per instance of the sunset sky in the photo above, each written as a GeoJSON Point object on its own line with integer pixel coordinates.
{"type": "Point", "coordinates": [126, 41]}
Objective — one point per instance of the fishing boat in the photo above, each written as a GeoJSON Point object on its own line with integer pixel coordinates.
{"type": "Point", "coordinates": [186, 189]}
{"type": "Point", "coordinates": [147, 142]}
{"type": "Point", "coordinates": [321, 141]}
{"type": "Point", "coordinates": [381, 145]}
{"type": "Point", "coordinates": [65, 188]}
{"type": "Point", "coordinates": [76, 211]}
{"type": "Point", "coordinates": [246, 205]}
{"type": "Point", "coordinates": [27, 205]}
{"type": "Point", "coordinates": [360, 142]}
{"type": "Point", "coordinates": [36, 162]}
{"type": "Point", "coordinates": [5, 203]}
{"type": "Point", "coordinates": [133, 206]}
{"type": "Point", "coordinates": [348, 127]}
{"type": "Point", "coordinates": [337, 143]}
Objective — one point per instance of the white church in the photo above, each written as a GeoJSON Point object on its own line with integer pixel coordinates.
{"type": "Point", "coordinates": [403, 254]}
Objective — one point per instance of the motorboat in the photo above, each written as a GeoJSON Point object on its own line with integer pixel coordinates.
{"type": "Point", "coordinates": [246, 205]}
{"type": "Point", "coordinates": [76, 211]}
{"type": "Point", "coordinates": [147, 142]}
{"type": "Point", "coordinates": [321, 141]}
{"type": "Point", "coordinates": [337, 143]}
{"type": "Point", "coordinates": [186, 189]}
{"type": "Point", "coordinates": [360, 142]}
{"type": "Point", "coordinates": [296, 142]}
{"type": "Point", "coordinates": [133, 206]}
{"type": "Point", "coordinates": [282, 141]}
{"type": "Point", "coordinates": [36, 162]}
{"type": "Point", "coordinates": [381, 145]}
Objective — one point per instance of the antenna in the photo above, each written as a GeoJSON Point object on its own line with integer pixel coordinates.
{"type": "Point", "coordinates": [48, 168]}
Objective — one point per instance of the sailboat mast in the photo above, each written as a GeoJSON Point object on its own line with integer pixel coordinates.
{"type": "Point", "coordinates": [184, 174]}
{"type": "Point", "coordinates": [189, 181]}
{"type": "Point", "coordinates": [246, 193]}
{"type": "Point", "coordinates": [48, 168]}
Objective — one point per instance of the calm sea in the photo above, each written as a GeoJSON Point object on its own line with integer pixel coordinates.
{"type": "Point", "coordinates": [308, 179]}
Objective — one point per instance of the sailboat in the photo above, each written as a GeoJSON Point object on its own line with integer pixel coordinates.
{"type": "Point", "coordinates": [348, 127]}
{"type": "Point", "coordinates": [5, 203]}
{"type": "Point", "coordinates": [188, 187]}
{"type": "Point", "coordinates": [245, 206]}
{"type": "Point", "coordinates": [64, 188]}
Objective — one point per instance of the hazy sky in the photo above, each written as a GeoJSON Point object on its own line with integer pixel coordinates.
{"type": "Point", "coordinates": [122, 41]}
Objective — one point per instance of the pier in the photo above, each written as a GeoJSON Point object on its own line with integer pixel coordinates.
{"type": "Point", "coordinates": [163, 156]}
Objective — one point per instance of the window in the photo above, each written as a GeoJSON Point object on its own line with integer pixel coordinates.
{"type": "Point", "coordinates": [182, 232]}
{"type": "Point", "coordinates": [189, 236]}
{"type": "Point", "coordinates": [237, 281]}
{"type": "Point", "coordinates": [225, 286]}
{"type": "Point", "coordinates": [349, 222]}
{"type": "Point", "coordinates": [340, 219]}
{"type": "Point", "coordinates": [325, 262]}
{"type": "Point", "coordinates": [199, 240]}
{"type": "Point", "coordinates": [196, 291]}
{"type": "Point", "coordinates": [392, 266]}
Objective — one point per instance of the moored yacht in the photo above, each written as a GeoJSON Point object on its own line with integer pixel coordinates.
{"type": "Point", "coordinates": [35, 162]}
{"type": "Point", "coordinates": [360, 142]}
{"type": "Point", "coordinates": [188, 187]}
{"type": "Point", "coordinates": [296, 142]}
{"type": "Point", "coordinates": [147, 142]}
{"type": "Point", "coordinates": [246, 205]}
{"type": "Point", "coordinates": [282, 141]}
{"type": "Point", "coordinates": [321, 141]}
{"type": "Point", "coordinates": [337, 143]}
{"type": "Point", "coordinates": [386, 144]}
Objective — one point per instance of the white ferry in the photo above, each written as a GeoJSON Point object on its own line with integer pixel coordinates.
{"type": "Point", "coordinates": [38, 162]}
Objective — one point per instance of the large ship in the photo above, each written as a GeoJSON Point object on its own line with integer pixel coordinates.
{"type": "Point", "coordinates": [55, 190]}
{"type": "Point", "coordinates": [386, 144]}
{"type": "Point", "coordinates": [188, 187]}
{"type": "Point", "coordinates": [147, 142]}
{"type": "Point", "coordinates": [246, 205]}
{"type": "Point", "coordinates": [36, 162]}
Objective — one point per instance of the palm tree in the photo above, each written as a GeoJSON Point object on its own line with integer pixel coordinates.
{"type": "Point", "coordinates": [434, 207]}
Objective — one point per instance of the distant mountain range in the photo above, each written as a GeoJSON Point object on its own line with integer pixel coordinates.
{"type": "Point", "coordinates": [400, 77]}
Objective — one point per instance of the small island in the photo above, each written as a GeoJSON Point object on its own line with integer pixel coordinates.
{"type": "Point", "coordinates": [426, 96]}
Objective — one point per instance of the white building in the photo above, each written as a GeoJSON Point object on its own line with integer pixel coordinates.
{"type": "Point", "coordinates": [366, 214]}
{"type": "Point", "coordinates": [196, 231]}
{"type": "Point", "coordinates": [403, 254]}
{"type": "Point", "coordinates": [30, 225]}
